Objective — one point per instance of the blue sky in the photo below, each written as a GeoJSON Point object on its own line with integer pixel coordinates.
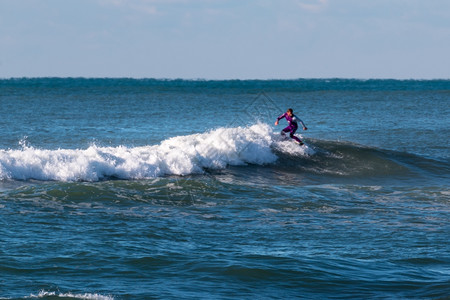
{"type": "Point", "coordinates": [218, 39]}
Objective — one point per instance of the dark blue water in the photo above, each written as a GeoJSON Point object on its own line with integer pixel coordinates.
{"type": "Point", "coordinates": [141, 189]}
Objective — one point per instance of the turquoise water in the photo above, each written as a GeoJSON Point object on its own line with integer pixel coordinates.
{"type": "Point", "coordinates": [141, 189]}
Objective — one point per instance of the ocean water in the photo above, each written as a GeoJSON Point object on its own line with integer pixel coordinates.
{"type": "Point", "coordinates": [167, 189]}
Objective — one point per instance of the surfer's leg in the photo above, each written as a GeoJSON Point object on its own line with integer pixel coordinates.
{"type": "Point", "coordinates": [291, 134]}
{"type": "Point", "coordinates": [287, 129]}
{"type": "Point", "coordinates": [296, 138]}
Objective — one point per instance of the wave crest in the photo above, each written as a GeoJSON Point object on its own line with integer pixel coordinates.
{"type": "Point", "coordinates": [181, 155]}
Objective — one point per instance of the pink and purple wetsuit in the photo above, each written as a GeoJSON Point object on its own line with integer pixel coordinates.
{"type": "Point", "coordinates": [293, 126]}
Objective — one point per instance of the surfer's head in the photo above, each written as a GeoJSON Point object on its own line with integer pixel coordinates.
{"type": "Point", "coordinates": [290, 112]}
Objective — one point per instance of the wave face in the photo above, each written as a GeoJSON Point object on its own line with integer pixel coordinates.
{"type": "Point", "coordinates": [212, 150]}
{"type": "Point", "coordinates": [351, 160]}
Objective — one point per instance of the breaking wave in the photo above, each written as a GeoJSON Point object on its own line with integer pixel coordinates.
{"type": "Point", "coordinates": [181, 155]}
{"type": "Point", "coordinates": [212, 150]}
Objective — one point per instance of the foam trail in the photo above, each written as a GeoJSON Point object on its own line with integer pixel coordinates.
{"type": "Point", "coordinates": [86, 296]}
{"type": "Point", "coordinates": [181, 155]}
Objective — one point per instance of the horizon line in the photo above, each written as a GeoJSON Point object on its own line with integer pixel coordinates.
{"type": "Point", "coordinates": [224, 79]}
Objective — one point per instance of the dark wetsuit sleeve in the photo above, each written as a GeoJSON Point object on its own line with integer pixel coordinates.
{"type": "Point", "coordinates": [281, 117]}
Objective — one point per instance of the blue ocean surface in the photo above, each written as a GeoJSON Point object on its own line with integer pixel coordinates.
{"type": "Point", "coordinates": [166, 189]}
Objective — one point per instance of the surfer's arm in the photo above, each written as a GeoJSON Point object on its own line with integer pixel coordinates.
{"type": "Point", "coordinates": [303, 124]}
{"type": "Point", "coordinates": [279, 118]}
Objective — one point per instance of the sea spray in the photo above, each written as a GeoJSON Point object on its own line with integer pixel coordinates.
{"type": "Point", "coordinates": [180, 155]}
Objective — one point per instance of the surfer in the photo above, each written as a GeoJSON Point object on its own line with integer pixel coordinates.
{"type": "Point", "coordinates": [293, 126]}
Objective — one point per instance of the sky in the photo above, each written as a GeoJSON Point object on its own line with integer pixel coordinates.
{"type": "Point", "coordinates": [225, 39]}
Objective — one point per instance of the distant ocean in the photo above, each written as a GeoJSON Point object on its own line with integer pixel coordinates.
{"type": "Point", "coordinates": [175, 189]}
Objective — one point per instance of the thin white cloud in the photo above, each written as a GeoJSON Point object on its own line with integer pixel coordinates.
{"type": "Point", "coordinates": [111, 2]}
{"type": "Point", "coordinates": [150, 2]}
{"type": "Point", "coordinates": [313, 5]}
{"type": "Point", "coordinates": [143, 6]}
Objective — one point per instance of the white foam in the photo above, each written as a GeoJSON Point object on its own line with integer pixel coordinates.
{"type": "Point", "coordinates": [181, 155]}
{"type": "Point", "coordinates": [86, 296]}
